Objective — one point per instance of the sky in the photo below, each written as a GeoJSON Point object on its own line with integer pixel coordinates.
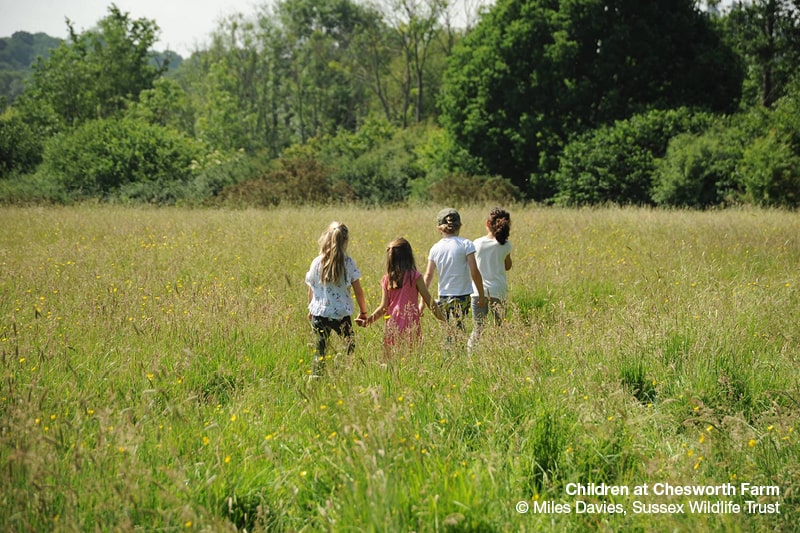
{"type": "Point", "coordinates": [185, 24]}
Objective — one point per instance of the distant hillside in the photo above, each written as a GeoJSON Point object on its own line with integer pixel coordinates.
{"type": "Point", "coordinates": [19, 52]}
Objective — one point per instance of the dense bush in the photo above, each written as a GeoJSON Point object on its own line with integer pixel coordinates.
{"type": "Point", "coordinates": [122, 158]}
{"type": "Point", "coordinates": [615, 163]}
{"type": "Point", "coordinates": [697, 171]}
{"type": "Point", "coordinates": [296, 179]}
{"type": "Point", "coordinates": [216, 170]}
{"type": "Point", "coordinates": [463, 189]}
{"type": "Point", "coordinates": [770, 172]}
{"type": "Point", "coordinates": [31, 189]}
{"type": "Point", "coordinates": [20, 148]}
{"type": "Point", "coordinates": [752, 157]}
{"type": "Point", "coordinates": [380, 175]}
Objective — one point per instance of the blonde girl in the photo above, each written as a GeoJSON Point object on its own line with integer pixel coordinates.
{"type": "Point", "coordinates": [401, 287]}
{"type": "Point", "coordinates": [329, 279]}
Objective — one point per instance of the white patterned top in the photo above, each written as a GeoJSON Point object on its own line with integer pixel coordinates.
{"type": "Point", "coordinates": [331, 300]}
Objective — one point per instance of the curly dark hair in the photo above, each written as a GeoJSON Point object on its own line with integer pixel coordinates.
{"type": "Point", "coordinates": [499, 224]}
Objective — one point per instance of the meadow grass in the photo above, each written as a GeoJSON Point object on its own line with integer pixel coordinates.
{"type": "Point", "coordinates": [155, 374]}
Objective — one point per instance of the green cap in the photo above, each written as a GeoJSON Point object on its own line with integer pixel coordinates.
{"type": "Point", "coordinates": [448, 215]}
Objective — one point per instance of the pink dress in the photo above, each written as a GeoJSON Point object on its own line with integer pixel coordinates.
{"type": "Point", "coordinates": [403, 312]}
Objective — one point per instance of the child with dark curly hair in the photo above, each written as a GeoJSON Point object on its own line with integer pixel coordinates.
{"type": "Point", "coordinates": [493, 256]}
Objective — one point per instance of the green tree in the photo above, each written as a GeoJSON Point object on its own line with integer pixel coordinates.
{"type": "Point", "coordinates": [767, 35]}
{"type": "Point", "coordinates": [320, 34]}
{"type": "Point", "coordinates": [698, 170]}
{"type": "Point", "coordinates": [121, 158]}
{"type": "Point", "coordinates": [534, 72]}
{"type": "Point", "coordinates": [770, 171]}
{"type": "Point", "coordinates": [18, 53]}
{"type": "Point", "coordinates": [282, 77]}
{"type": "Point", "coordinates": [20, 148]}
{"type": "Point", "coordinates": [415, 24]}
{"type": "Point", "coordinates": [95, 74]}
{"type": "Point", "coordinates": [770, 166]}
{"type": "Point", "coordinates": [166, 104]}
{"type": "Point", "coordinates": [615, 163]}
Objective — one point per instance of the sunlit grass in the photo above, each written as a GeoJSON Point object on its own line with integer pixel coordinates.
{"type": "Point", "coordinates": [154, 373]}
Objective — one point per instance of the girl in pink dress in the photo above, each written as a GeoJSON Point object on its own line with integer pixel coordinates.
{"type": "Point", "coordinates": [401, 288]}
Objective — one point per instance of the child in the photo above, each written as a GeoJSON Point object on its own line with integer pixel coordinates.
{"type": "Point", "coordinates": [454, 258]}
{"type": "Point", "coordinates": [329, 280]}
{"type": "Point", "coordinates": [493, 255]}
{"type": "Point", "coordinates": [401, 288]}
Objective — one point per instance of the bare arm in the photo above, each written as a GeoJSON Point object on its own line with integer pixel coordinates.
{"type": "Point", "coordinates": [428, 300]}
{"type": "Point", "coordinates": [508, 262]}
{"type": "Point", "coordinates": [477, 279]}
{"type": "Point", "coordinates": [310, 296]}
{"type": "Point", "coordinates": [381, 310]}
{"type": "Point", "coordinates": [427, 278]}
{"type": "Point", "coordinates": [429, 270]}
{"type": "Point", "coordinates": [359, 292]}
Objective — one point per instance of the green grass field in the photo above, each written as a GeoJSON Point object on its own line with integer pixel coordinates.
{"type": "Point", "coordinates": [154, 377]}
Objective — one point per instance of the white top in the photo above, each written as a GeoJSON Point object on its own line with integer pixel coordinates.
{"type": "Point", "coordinates": [491, 258]}
{"type": "Point", "coordinates": [450, 256]}
{"type": "Point", "coordinates": [331, 300]}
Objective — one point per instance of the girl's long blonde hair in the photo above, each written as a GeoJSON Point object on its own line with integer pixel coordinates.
{"type": "Point", "coordinates": [333, 249]}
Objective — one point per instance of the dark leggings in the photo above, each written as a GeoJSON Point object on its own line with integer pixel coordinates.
{"type": "Point", "coordinates": [322, 330]}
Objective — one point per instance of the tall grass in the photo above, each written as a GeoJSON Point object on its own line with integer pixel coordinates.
{"type": "Point", "coordinates": [154, 373]}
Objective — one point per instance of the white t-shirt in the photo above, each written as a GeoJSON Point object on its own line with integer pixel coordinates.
{"type": "Point", "coordinates": [491, 258]}
{"type": "Point", "coordinates": [331, 300]}
{"type": "Point", "coordinates": [450, 256]}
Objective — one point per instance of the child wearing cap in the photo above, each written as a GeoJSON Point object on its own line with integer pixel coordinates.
{"type": "Point", "coordinates": [454, 259]}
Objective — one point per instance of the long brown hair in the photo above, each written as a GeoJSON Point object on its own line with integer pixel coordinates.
{"type": "Point", "coordinates": [333, 249]}
{"type": "Point", "coordinates": [399, 260]}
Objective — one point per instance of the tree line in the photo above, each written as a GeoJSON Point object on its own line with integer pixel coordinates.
{"type": "Point", "coordinates": [308, 101]}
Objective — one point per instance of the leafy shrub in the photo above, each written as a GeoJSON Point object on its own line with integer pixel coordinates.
{"type": "Point", "coordinates": [770, 172]}
{"type": "Point", "coordinates": [463, 189]}
{"type": "Point", "coordinates": [122, 158]}
{"type": "Point", "coordinates": [379, 176]}
{"type": "Point", "coordinates": [616, 163]}
{"type": "Point", "coordinates": [697, 171]}
{"type": "Point", "coordinates": [295, 180]}
{"type": "Point", "coordinates": [376, 164]}
{"type": "Point", "coordinates": [302, 180]}
{"type": "Point", "coordinates": [166, 104]}
{"type": "Point", "coordinates": [216, 170]}
{"type": "Point", "coordinates": [438, 157]}
{"type": "Point", "coordinates": [259, 192]}
{"type": "Point", "coordinates": [33, 189]}
{"type": "Point", "coordinates": [770, 165]}
{"type": "Point", "coordinates": [353, 144]}
{"type": "Point", "coordinates": [20, 148]}
{"type": "Point", "coordinates": [499, 190]}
